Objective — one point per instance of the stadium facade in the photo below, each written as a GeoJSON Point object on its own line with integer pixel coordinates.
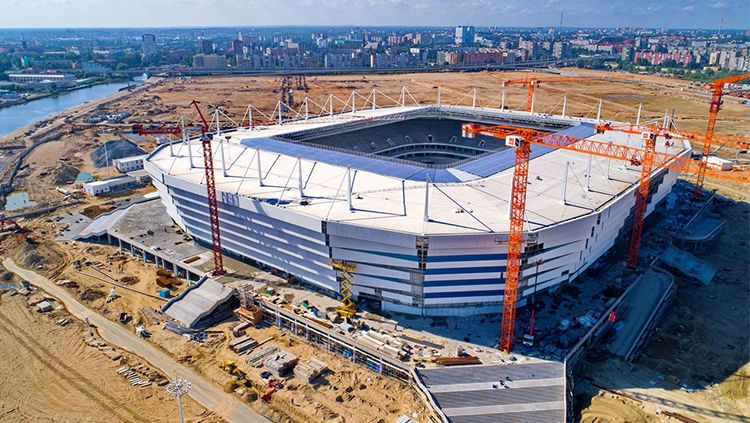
{"type": "Point", "coordinates": [421, 209]}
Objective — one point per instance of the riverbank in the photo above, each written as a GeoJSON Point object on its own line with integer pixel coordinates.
{"type": "Point", "coordinates": [42, 95]}
{"type": "Point", "coordinates": [83, 104]}
{"type": "Point", "coordinates": [33, 135]}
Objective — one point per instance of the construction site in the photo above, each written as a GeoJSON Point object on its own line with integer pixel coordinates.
{"type": "Point", "coordinates": [480, 247]}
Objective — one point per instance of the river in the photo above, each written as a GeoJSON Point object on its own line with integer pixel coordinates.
{"type": "Point", "coordinates": [15, 117]}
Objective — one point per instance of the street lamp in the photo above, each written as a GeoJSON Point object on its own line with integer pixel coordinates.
{"type": "Point", "coordinates": [178, 388]}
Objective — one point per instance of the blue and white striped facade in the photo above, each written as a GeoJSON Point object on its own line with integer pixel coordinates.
{"type": "Point", "coordinates": [409, 264]}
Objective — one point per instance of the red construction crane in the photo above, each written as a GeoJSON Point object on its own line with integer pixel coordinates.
{"type": "Point", "coordinates": [717, 88]}
{"type": "Point", "coordinates": [140, 129]}
{"type": "Point", "coordinates": [213, 209]}
{"type": "Point", "coordinates": [521, 139]}
{"type": "Point", "coordinates": [533, 82]}
{"type": "Point", "coordinates": [213, 206]}
{"type": "Point", "coordinates": [731, 140]}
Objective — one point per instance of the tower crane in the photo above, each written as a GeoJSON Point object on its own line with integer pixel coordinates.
{"type": "Point", "coordinates": [717, 90]}
{"type": "Point", "coordinates": [521, 140]}
{"type": "Point", "coordinates": [213, 209]}
{"type": "Point", "coordinates": [532, 82]}
{"type": "Point", "coordinates": [731, 140]}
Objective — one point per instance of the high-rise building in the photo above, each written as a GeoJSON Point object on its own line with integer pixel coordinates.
{"type": "Point", "coordinates": [464, 36]}
{"type": "Point", "coordinates": [207, 46]}
{"type": "Point", "coordinates": [148, 45]}
{"type": "Point", "coordinates": [559, 49]}
{"type": "Point", "coordinates": [237, 47]}
{"type": "Point", "coordinates": [627, 54]}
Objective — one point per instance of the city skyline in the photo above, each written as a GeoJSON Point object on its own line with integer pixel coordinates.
{"type": "Point", "coordinates": [699, 14]}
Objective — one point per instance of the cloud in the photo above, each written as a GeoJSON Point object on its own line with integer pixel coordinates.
{"type": "Point", "coordinates": [718, 5]}
{"type": "Point", "coordinates": [688, 8]}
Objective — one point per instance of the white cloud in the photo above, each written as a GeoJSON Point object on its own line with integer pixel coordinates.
{"type": "Point", "coordinates": [718, 5]}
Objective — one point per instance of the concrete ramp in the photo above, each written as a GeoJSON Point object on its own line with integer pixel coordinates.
{"type": "Point", "coordinates": [639, 311]}
{"type": "Point", "coordinates": [521, 392]}
{"type": "Point", "coordinates": [688, 264]}
{"type": "Point", "coordinates": [201, 304]}
{"type": "Point", "coordinates": [703, 228]}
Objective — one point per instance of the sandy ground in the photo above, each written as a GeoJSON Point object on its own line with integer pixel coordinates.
{"type": "Point", "coordinates": [696, 363]}
{"type": "Point", "coordinates": [697, 352]}
{"type": "Point", "coordinates": [48, 374]}
{"type": "Point", "coordinates": [620, 93]}
{"type": "Point", "coordinates": [348, 393]}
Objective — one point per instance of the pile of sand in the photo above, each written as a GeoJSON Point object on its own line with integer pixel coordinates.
{"type": "Point", "coordinates": [66, 174]}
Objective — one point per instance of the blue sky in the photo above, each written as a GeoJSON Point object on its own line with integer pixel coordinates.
{"type": "Point", "coordinates": [161, 13]}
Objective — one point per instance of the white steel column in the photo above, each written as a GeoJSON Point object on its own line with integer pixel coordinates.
{"type": "Point", "coordinates": [300, 183]}
{"type": "Point", "coordinates": [599, 111]}
{"type": "Point", "coordinates": [533, 102]}
{"type": "Point", "coordinates": [250, 116]}
{"type": "Point", "coordinates": [330, 99]}
{"type": "Point", "coordinates": [354, 109]}
{"type": "Point", "coordinates": [502, 100]}
{"type": "Point", "coordinates": [403, 194]}
{"type": "Point", "coordinates": [280, 122]}
{"type": "Point", "coordinates": [638, 118]}
{"type": "Point", "coordinates": [223, 161]}
{"type": "Point", "coordinates": [588, 174]}
{"type": "Point", "coordinates": [565, 105]}
{"type": "Point", "coordinates": [307, 110]}
{"type": "Point", "coordinates": [426, 216]}
{"type": "Point", "coordinates": [438, 99]}
{"type": "Point", "coordinates": [666, 118]}
{"type": "Point", "coordinates": [257, 162]}
{"type": "Point", "coordinates": [373, 99]}
{"type": "Point", "coordinates": [565, 184]}
{"type": "Point", "coordinates": [474, 99]}
{"type": "Point", "coordinates": [349, 187]}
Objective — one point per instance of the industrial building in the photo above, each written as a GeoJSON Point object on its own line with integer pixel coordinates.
{"type": "Point", "coordinates": [420, 208]}
{"type": "Point", "coordinates": [128, 164]}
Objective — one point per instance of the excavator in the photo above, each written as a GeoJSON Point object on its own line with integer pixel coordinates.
{"type": "Point", "coordinates": [230, 366]}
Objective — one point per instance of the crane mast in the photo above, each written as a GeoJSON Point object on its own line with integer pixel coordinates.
{"type": "Point", "coordinates": [213, 207]}
{"type": "Point", "coordinates": [521, 139]}
{"type": "Point", "coordinates": [717, 91]}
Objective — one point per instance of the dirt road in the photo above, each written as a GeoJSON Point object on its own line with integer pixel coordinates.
{"type": "Point", "coordinates": [203, 391]}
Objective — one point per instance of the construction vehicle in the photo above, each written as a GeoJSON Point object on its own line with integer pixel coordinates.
{"type": "Point", "coordinates": [347, 309]}
{"type": "Point", "coordinates": [273, 386]}
{"type": "Point", "coordinates": [521, 140]}
{"type": "Point", "coordinates": [230, 366]}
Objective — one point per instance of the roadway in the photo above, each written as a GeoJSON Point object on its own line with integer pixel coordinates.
{"type": "Point", "coordinates": [203, 391]}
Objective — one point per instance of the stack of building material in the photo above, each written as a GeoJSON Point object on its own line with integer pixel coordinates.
{"type": "Point", "coordinates": [457, 361]}
{"type": "Point", "coordinates": [310, 370]}
{"type": "Point", "coordinates": [243, 344]}
{"type": "Point", "coordinates": [252, 314]}
{"type": "Point", "coordinates": [256, 358]}
{"type": "Point", "coordinates": [383, 343]}
{"type": "Point", "coordinates": [280, 362]}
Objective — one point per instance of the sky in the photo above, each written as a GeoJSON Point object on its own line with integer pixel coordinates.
{"type": "Point", "coordinates": [169, 13]}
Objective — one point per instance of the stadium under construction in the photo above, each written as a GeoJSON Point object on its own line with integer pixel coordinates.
{"type": "Point", "coordinates": [418, 208]}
